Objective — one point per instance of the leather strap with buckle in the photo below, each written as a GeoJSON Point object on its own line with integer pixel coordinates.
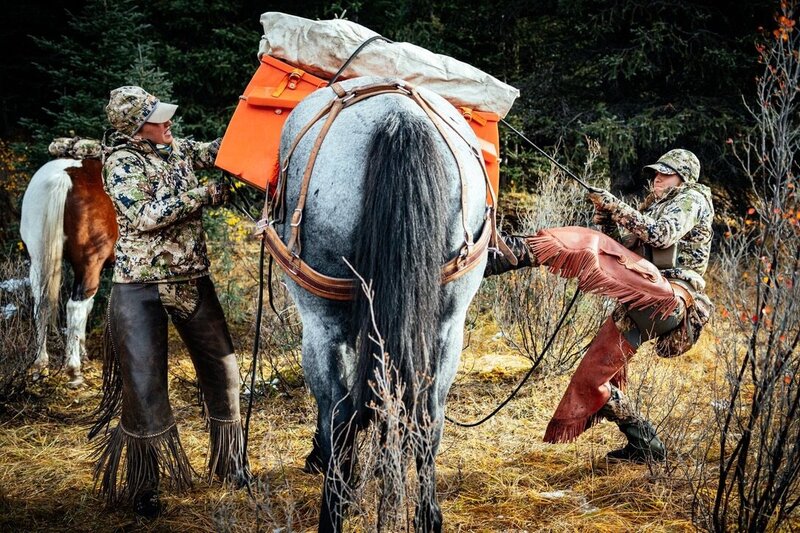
{"type": "Point", "coordinates": [288, 255]}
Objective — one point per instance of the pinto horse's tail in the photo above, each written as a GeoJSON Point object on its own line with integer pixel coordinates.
{"type": "Point", "coordinates": [401, 245]}
{"type": "Point", "coordinates": [42, 228]}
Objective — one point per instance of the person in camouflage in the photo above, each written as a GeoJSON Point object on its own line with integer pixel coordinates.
{"type": "Point", "coordinates": [161, 271]}
{"type": "Point", "coordinates": [672, 229]}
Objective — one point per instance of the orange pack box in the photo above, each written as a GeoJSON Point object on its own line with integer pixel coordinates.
{"type": "Point", "coordinates": [250, 146]}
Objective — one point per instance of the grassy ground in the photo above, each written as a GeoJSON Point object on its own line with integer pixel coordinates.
{"type": "Point", "coordinates": [497, 477]}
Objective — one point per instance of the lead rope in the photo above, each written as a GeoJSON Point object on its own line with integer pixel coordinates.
{"type": "Point", "coordinates": [563, 316]}
{"type": "Point", "coordinates": [527, 376]}
{"type": "Point", "coordinates": [552, 160]}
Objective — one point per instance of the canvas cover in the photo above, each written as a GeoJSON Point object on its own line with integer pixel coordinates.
{"type": "Point", "coordinates": [321, 47]}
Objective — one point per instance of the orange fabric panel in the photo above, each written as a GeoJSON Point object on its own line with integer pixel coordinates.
{"type": "Point", "coordinates": [249, 148]}
{"type": "Point", "coordinates": [484, 124]}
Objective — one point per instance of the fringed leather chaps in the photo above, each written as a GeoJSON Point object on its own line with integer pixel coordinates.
{"type": "Point", "coordinates": [588, 389]}
{"type": "Point", "coordinates": [146, 443]}
{"type": "Point", "coordinates": [209, 343]}
{"type": "Point", "coordinates": [603, 266]}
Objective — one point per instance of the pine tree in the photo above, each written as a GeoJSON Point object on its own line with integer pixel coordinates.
{"type": "Point", "coordinates": [107, 45]}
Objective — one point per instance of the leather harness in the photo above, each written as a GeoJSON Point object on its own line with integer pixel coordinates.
{"type": "Point", "coordinates": [340, 289]}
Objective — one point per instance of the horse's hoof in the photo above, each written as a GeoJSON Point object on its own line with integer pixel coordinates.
{"type": "Point", "coordinates": [38, 374]}
{"type": "Point", "coordinates": [75, 382]}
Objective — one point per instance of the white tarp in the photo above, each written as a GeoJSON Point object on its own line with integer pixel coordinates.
{"type": "Point", "coordinates": [321, 47]}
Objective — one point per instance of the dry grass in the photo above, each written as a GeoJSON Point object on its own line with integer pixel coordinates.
{"type": "Point", "coordinates": [497, 477]}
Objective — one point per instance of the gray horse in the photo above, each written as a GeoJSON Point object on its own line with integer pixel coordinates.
{"type": "Point", "coordinates": [386, 194]}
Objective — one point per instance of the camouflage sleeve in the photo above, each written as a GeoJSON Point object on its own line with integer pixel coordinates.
{"type": "Point", "coordinates": [130, 190]}
{"type": "Point", "coordinates": [202, 155]}
{"type": "Point", "coordinates": [677, 218]}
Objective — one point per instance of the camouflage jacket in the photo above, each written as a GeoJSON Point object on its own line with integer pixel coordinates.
{"type": "Point", "coordinates": [683, 216]}
{"type": "Point", "coordinates": [159, 203]}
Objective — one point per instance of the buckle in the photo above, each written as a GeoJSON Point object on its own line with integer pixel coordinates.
{"type": "Point", "coordinates": [261, 226]}
{"type": "Point", "coordinates": [298, 213]}
{"type": "Point", "coordinates": [463, 254]}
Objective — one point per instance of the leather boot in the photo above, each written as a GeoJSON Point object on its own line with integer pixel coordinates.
{"type": "Point", "coordinates": [643, 445]}
{"type": "Point", "coordinates": [498, 263]}
{"type": "Point", "coordinates": [147, 504]}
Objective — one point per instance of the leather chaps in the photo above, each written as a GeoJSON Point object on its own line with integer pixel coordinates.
{"type": "Point", "coordinates": [135, 387]}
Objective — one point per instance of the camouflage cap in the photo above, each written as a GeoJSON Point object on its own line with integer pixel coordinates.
{"type": "Point", "coordinates": [130, 107]}
{"type": "Point", "coordinates": [678, 161]}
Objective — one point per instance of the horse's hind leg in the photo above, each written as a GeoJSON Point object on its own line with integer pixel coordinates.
{"type": "Point", "coordinates": [335, 431]}
{"type": "Point", "coordinates": [428, 517]}
{"type": "Point", "coordinates": [326, 351]}
{"type": "Point", "coordinates": [77, 317]}
{"type": "Point", "coordinates": [42, 310]}
{"type": "Point", "coordinates": [451, 339]}
{"type": "Point", "coordinates": [79, 306]}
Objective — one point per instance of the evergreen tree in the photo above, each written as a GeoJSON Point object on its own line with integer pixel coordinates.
{"type": "Point", "coordinates": [107, 45]}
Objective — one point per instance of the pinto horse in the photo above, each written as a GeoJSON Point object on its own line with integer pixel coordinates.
{"type": "Point", "coordinates": [66, 214]}
{"type": "Point", "coordinates": [388, 191]}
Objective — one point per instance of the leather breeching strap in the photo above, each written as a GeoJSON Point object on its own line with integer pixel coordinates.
{"type": "Point", "coordinates": [288, 255]}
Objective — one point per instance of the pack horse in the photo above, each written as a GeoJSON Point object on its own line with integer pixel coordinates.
{"type": "Point", "coordinates": [66, 214]}
{"type": "Point", "coordinates": [389, 177]}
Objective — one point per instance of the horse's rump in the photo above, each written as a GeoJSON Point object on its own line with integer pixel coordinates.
{"type": "Point", "coordinates": [386, 194]}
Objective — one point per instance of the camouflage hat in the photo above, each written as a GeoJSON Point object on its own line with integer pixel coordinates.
{"type": "Point", "coordinates": [130, 107]}
{"type": "Point", "coordinates": [681, 162]}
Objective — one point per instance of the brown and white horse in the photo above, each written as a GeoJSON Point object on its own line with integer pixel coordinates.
{"type": "Point", "coordinates": [66, 214]}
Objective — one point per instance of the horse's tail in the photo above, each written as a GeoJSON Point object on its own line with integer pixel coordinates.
{"type": "Point", "coordinates": [42, 229]}
{"type": "Point", "coordinates": [401, 245]}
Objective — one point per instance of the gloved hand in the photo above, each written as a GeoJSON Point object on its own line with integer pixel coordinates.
{"type": "Point", "coordinates": [603, 200]}
{"type": "Point", "coordinates": [602, 218]}
{"type": "Point", "coordinates": [219, 193]}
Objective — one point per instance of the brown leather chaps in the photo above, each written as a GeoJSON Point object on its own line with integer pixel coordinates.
{"type": "Point", "coordinates": [146, 440]}
{"type": "Point", "coordinates": [650, 307]}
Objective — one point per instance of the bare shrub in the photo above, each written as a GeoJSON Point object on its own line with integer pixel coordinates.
{"type": "Point", "coordinates": [17, 329]}
{"type": "Point", "coordinates": [382, 491]}
{"type": "Point", "coordinates": [751, 481]}
{"type": "Point", "coordinates": [529, 302]}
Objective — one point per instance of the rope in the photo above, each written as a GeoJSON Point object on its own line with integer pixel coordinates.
{"type": "Point", "coordinates": [527, 376]}
{"type": "Point", "coordinates": [256, 341]}
{"type": "Point", "coordinates": [353, 56]}
{"type": "Point", "coordinates": [552, 160]}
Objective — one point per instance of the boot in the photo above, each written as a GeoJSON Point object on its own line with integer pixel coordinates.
{"type": "Point", "coordinates": [147, 505]}
{"type": "Point", "coordinates": [499, 263]}
{"type": "Point", "coordinates": [643, 445]}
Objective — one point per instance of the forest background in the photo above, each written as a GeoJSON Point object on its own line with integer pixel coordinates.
{"type": "Point", "coordinates": [639, 77]}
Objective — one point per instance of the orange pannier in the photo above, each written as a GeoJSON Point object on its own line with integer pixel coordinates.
{"type": "Point", "coordinates": [250, 146]}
